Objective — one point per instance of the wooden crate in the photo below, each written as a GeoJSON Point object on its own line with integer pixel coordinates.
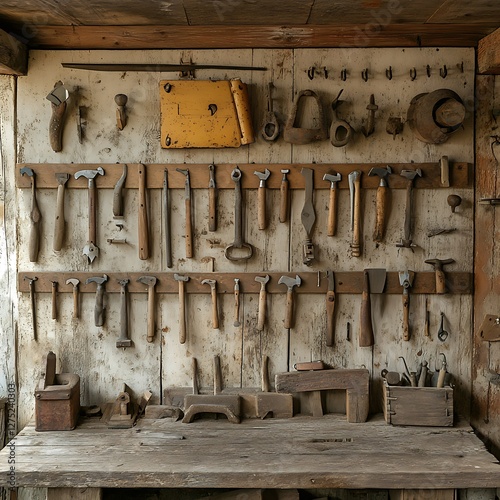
{"type": "Point", "coordinates": [426, 406]}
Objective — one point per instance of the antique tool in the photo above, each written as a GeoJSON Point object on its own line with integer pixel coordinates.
{"type": "Point", "coordinates": [289, 283]}
{"type": "Point", "coordinates": [261, 198]}
{"type": "Point", "coordinates": [150, 281]}
{"type": "Point", "coordinates": [422, 377]}
{"type": "Point", "coordinates": [410, 176]}
{"type": "Point", "coordinates": [453, 201]}
{"type": "Point", "coordinates": [35, 217]}
{"type": "Point", "coordinates": [54, 300]}
{"type": "Point", "coordinates": [406, 281]}
{"type": "Point", "coordinates": [124, 339]}
{"type": "Point", "coordinates": [394, 126]}
{"type": "Point", "coordinates": [330, 309]}
{"type": "Point", "coordinates": [33, 304]}
{"type": "Point", "coordinates": [284, 195]}
{"type": "Point", "coordinates": [370, 126]}
{"type": "Point", "coordinates": [143, 223]}
{"type": "Point", "coordinates": [166, 220]}
{"type": "Point", "coordinates": [160, 68]}
{"type": "Point", "coordinates": [212, 199]}
{"type": "Point", "coordinates": [238, 243]}
{"type": "Point", "coordinates": [340, 131]}
{"type": "Point", "coordinates": [75, 283]}
{"type": "Point", "coordinates": [392, 378]}
{"type": "Point", "coordinates": [355, 188]}
{"type": "Point", "coordinates": [187, 199]}
{"type": "Point", "coordinates": [123, 412]}
{"type": "Point", "coordinates": [442, 373]}
{"type": "Point", "coordinates": [438, 264]}
{"type": "Point", "coordinates": [121, 111]}
{"type": "Point", "coordinates": [444, 166]}
{"type": "Point", "coordinates": [382, 201]}
{"type": "Point", "coordinates": [58, 98]}
{"type": "Point", "coordinates": [237, 302]}
{"type": "Point", "coordinates": [333, 179]}
{"type": "Point", "coordinates": [373, 282]}
{"type": "Point", "coordinates": [99, 298]}
{"type": "Point", "coordinates": [442, 333]}
{"type": "Point", "coordinates": [118, 194]}
{"type": "Point", "coordinates": [305, 366]}
{"type": "Point", "coordinates": [308, 216]}
{"type": "Point", "coordinates": [427, 318]}
{"type": "Point", "coordinates": [182, 306]}
{"type": "Point", "coordinates": [59, 224]}
{"type": "Point", "coordinates": [270, 129]}
{"type": "Point", "coordinates": [215, 308]}
{"type": "Point", "coordinates": [262, 300]}
{"type": "Point", "coordinates": [91, 250]}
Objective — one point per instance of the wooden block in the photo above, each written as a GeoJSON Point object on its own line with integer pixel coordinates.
{"type": "Point", "coordinates": [279, 405]}
{"type": "Point", "coordinates": [155, 412]}
{"type": "Point", "coordinates": [315, 402]}
{"type": "Point", "coordinates": [355, 382]}
{"type": "Point", "coordinates": [197, 408]}
{"type": "Point", "coordinates": [227, 404]}
{"type": "Point", "coordinates": [174, 396]}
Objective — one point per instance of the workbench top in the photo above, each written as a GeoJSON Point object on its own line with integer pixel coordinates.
{"type": "Point", "coordinates": [301, 452]}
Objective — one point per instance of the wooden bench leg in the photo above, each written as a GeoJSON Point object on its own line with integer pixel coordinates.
{"type": "Point", "coordinates": [74, 494]}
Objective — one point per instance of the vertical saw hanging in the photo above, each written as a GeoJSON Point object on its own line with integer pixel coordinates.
{"type": "Point", "coordinates": [205, 114]}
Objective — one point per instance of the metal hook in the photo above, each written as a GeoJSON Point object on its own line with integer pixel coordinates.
{"type": "Point", "coordinates": [343, 74]}
{"type": "Point", "coordinates": [443, 71]}
{"type": "Point", "coordinates": [444, 358]}
{"type": "Point", "coordinates": [388, 73]}
{"type": "Point", "coordinates": [413, 74]}
{"type": "Point", "coordinates": [428, 69]}
{"type": "Point", "coordinates": [406, 366]}
{"type": "Point", "coordinates": [310, 72]}
{"type": "Point", "coordinates": [364, 74]}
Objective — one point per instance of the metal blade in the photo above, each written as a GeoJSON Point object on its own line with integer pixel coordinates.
{"type": "Point", "coordinates": [58, 95]}
{"type": "Point", "coordinates": [91, 251]}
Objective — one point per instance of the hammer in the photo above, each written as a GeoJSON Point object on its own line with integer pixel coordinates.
{"type": "Point", "coordinates": [182, 306]}
{"type": "Point", "coordinates": [382, 201]}
{"type": "Point", "coordinates": [290, 283]}
{"type": "Point", "coordinates": [90, 249]}
{"type": "Point", "coordinates": [35, 217]}
{"type": "Point", "coordinates": [75, 283]}
{"type": "Point", "coordinates": [123, 340]}
{"type": "Point", "coordinates": [438, 269]}
{"type": "Point", "coordinates": [262, 300]}
{"type": "Point", "coordinates": [99, 296]}
{"type": "Point", "coordinates": [409, 175]}
{"type": "Point", "coordinates": [332, 211]}
{"type": "Point", "coordinates": [150, 281]}
{"type": "Point", "coordinates": [62, 179]}
{"type": "Point", "coordinates": [215, 310]}
{"type": "Point", "coordinates": [261, 197]}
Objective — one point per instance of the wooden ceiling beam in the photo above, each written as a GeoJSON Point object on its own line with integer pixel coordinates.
{"type": "Point", "coordinates": [488, 54]}
{"type": "Point", "coordinates": [13, 55]}
{"type": "Point", "coordinates": [217, 37]}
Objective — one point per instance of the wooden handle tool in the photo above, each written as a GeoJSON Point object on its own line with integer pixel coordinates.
{"type": "Point", "coordinates": [332, 213]}
{"type": "Point", "coordinates": [189, 220]}
{"type": "Point", "coordinates": [35, 217]}
{"type": "Point", "coordinates": [54, 300]}
{"type": "Point", "coordinates": [124, 340]}
{"type": "Point", "coordinates": [261, 320]}
{"type": "Point", "coordinates": [215, 308]}
{"type": "Point", "coordinates": [354, 187]}
{"type": "Point", "coordinates": [366, 338]}
{"type": "Point", "coordinates": [212, 200]}
{"type": "Point", "coordinates": [237, 302]}
{"type": "Point", "coordinates": [406, 316]}
{"type": "Point", "coordinates": [261, 198]}
{"type": "Point", "coordinates": [143, 215]}
{"type": "Point", "coordinates": [59, 224]}
{"type": "Point", "coordinates": [182, 306]}
{"type": "Point", "coordinates": [284, 196]}
{"type": "Point", "coordinates": [382, 201]}
{"type": "Point", "coordinates": [330, 310]}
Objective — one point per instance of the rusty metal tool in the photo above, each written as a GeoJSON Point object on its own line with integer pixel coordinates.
{"type": "Point", "coordinates": [330, 309]}
{"type": "Point", "coordinates": [373, 282]}
{"type": "Point", "coordinates": [124, 339]}
{"type": "Point", "coordinates": [58, 98]}
{"type": "Point", "coordinates": [121, 111]}
{"type": "Point", "coordinates": [270, 129]}
{"type": "Point", "coordinates": [150, 282]}
{"type": "Point", "coordinates": [75, 282]}
{"type": "Point", "coordinates": [238, 244]}
{"type": "Point", "coordinates": [54, 299]}
{"type": "Point", "coordinates": [215, 308]}
{"type": "Point", "coordinates": [262, 300]}
{"type": "Point", "coordinates": [143, 223]}
{"type": "Point", "coordinates": [406, 281]}
{"type": "Point", "coordinates": [355, 191]}
{"type": "Point", "coordinates": [284, 195]}
{"type": "Point", "coordinates": [370, 126]}
{"type": "Point", "coordinates": [189, 222]}
{"type": "Point", "coordinates": [59, 225]}
{"type": "Point", "coordinates": [212, 199]}
{"type": "Point", "coordinates": [118, 194]}
{"type": "Point", "coordinates": [91, 250]}
{"type": "Point", "coordinates": [261, 198]}
{"type": "Point", "coordinates": [35, 217]}
{"type": "Point", "coordinates": [442, 333]}
{"type": "Point", "coordinates": [99, 298]}
{"type": "Point", "coordinates": [453, 201]}
{"type": "Point", "coordinates": [166, 220]}
{"type": "Point", "coordinates": [409, 175]}
{"type": "Point", "coordinates": [382, 201]}
{"type": "Point", "coordinates": [33, 304]}
{"type": "Point", "coordinates": [333, 179]}
{"type": "Point", "coordinates": [289, 283]}
{"type": "Point", "coordinates": [237, 321]}
{"type": "Point", "coordinates": [308, 216]}
{"type": "Point", "coordinates": [340, 131]}
{"type": "Point", "coordinates": [438, 264]}
{"type": "Point", "coordinates": [182, 306]}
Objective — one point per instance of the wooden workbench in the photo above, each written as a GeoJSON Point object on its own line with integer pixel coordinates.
{"type": "Point", "coordinates": [302, 452]}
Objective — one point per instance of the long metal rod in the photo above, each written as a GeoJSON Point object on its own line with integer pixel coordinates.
{"type": "Point", "coordinates": [156, 67]}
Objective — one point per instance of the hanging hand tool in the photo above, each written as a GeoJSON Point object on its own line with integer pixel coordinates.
{"type": "Point", "coordinates": [91, 250]}
{"type": "Point", "coordinates": [442, 373]}
{"type": "Point", "coordinates": [215, 308]}
{"type": "Point", "coordinates": [75, 283]}
{"type": "Point", "coordinates": [308, 216]}
{"type": "Point", "coordinates": [333, 179]}
{"type": "Point", "coordinates": [187, 199]}
{"type": "Point", "coordinates": [124, 339]}
{"type": "Point", "coordinates": [99, 298]}
{"type": "Point", "coordinates": [340, 131]}
{"type": "Point", "coordinates": [166, 219]}
{"type": "Point", "coordinates": [289, 283]}
{"type": "Point", "coordinates": [442, 333]}
{"type": "Point", "coordinates": [284, 196]}
{"type": "Point", "coordinates": [35, 217]}
{"type": "Point", "coordinates": [33, 305]}
{"type": "Point", "coordinates": [262, 301]}
{"type": "Point", "coordinates": [382, 201]}
{"type": "Point", "coordinates": [58, 98]}
{"type": "Point", "coordinates": [238, 243]}
{"type": "Point", "coordinates": [427, 318]}
{"type": "Point", "coordinates": [118, 195]}
{"type": "Point", "coordinates": [261, 198]}
{"type": "Point", "coordinates": [406, 281]}
{"type": "Point", "coordinates": [182, 306]}
{"type": "Point", "coordinates": [237, 302]}
{"type": "Point", "coordinates": [410, 176]}
{"type": "Point", "coordinates": [355, 191]}
{"type": "Point", "coordinates": [454, 201]}
{"type": "Point", "coordinates": [121, 111]}
{"type": "Point", "coordinates": [59, 225]}
{"type": "Point", "coordinates": [422, 377]}
{"type": "Point", "coordinates": [330, 309]}
{"type": "Point", "coordinates": [143, 224]}
{"type": "Point", "coordinates": [212, 200]}
{"type": "Point", "coordinates": [270, 129]}
{"type": "Point", "coordinates": [373, 282]}
{"type": "Point", "coordinates": [370, 127]}
{"type": "Point", "coordinates": [438, 264]}
{"type": "Point", "coordinates": [54, 300]}
{"type": "Point", "coordinates": [150, 281]}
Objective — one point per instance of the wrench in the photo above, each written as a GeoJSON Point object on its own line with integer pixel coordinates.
{"type": "Point", "coordinates": [442, 333]}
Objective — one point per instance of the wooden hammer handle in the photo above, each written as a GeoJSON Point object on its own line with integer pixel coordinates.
{"type": "Point", "coordinates": [330, 324]}
{"type": "Point", "coordinates": [406, 317]}
{"type": "Point", "coordinates": [99, 306]}
{"type": "Point", "coordinates": [75, 303]}
{"type": "Point", "coordinates": [366, 338]}
{"type": "Point", "coordinates": [356, 245]}
{"type": "Point", "coordinates": [182, 312]}
{"type": "Point", "coordinates": [261, 210]}
{"type": "Point", "coordinates": [382, 197]}
{"type": "Point", "coordinates": [284, 197]}
{"type": "Point", "coordinates": [189, 230]}
{"type": "Point", "coordinates": [151, 313]}
{"type": "Point", "coordinates": [215, 309]}
{"type": "Point", "coordinates": [92, 212]}
{"type": "Point", "coordinates": [59, 222]}
{"type": "Point", "coordinates": [143, 215]}
{"type": "Point", "coordinates": [212, 209]}
{"type": "Point", "coordinates": [440, 281]}
{"type": "Point", "coordinates": [289, 309]}
{"type": "Point", "coordinates": [54, 300]}
{"type": "Point", "coordinates": [262, 309]}
{"type": "Point", "coordinates": [332, 213]}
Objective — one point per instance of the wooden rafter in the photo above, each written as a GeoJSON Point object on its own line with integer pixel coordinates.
{"type": "Point", "coordinates": [13, 55]}
{"type": "Point", "coordinates": [488, 54]}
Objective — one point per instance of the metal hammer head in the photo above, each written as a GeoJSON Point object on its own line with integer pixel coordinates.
{"type": "Point", "coordinates": [73, 281]}
{"type": "Point", "coordinates": [285, 171]}
{"type": "Point", "coordinates": [28, 171]}
{"type": "Point", "coordinates": [212, 283]}
{"type": "Point", "coordinates": [263, 176]}
{"type": "Point", "coordinates": [89, 174]}
{"type": "Point", "coordinates": [124, 282]}
{"type": "Point", "coordinates": [262, 280]}
{"type": "Point", "coordinates": [406, 278]}
{"type": "Point", "coordinates": [178, 277]}
{"type": "Point", "coordinates": [438, 263]}
{"type": "Point", "coordinates": [383, 173]}
{"type": "Point", "coordinates": [147, 280]}
{"type": "Point", "coordinates": [62, 179]}
{"type": "Point", "coordinates": [411, 174]}
{"type": "Point", "coordinates": [31, 280]}
{"type": "Point", "coordinates": [97, 279]}
{"type": "Point", "coordinates": [290, 282]}
{"type": "Point", "coordinates": [332, 178]}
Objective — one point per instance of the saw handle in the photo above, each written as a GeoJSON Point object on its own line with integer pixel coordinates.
{"type": "Point", "coordinates": [366, 338]}
{"type": "Point", "coordinates": [59, 222]}
{"type": "Point", "coordinates": [289, 309]}
{"type": "Point", "coordinates": [330, 324]}
{"type": "Point", "coordinates": [382, 201]}
{"type": "Point", "coordinates": [406, 316]}
{"type": "Point", "coordinates": [261, 210]}
{"type": "Point", "coordinates": [182, 312]}
{"type": "Point", "coordinates": [143, 215]}
{"type": "Point", "coordinates": [356, 245]}
{"type": "Point", "coordinates": [332, 213]}
{"type": "Point", "coordinates": [284, 197]}
{"type": "Point", "coordinates": [151, 313]}
{"type": "Point", "coordinates": [262, 309]}
{"type": "Point", "coordinates": [189, 230]}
